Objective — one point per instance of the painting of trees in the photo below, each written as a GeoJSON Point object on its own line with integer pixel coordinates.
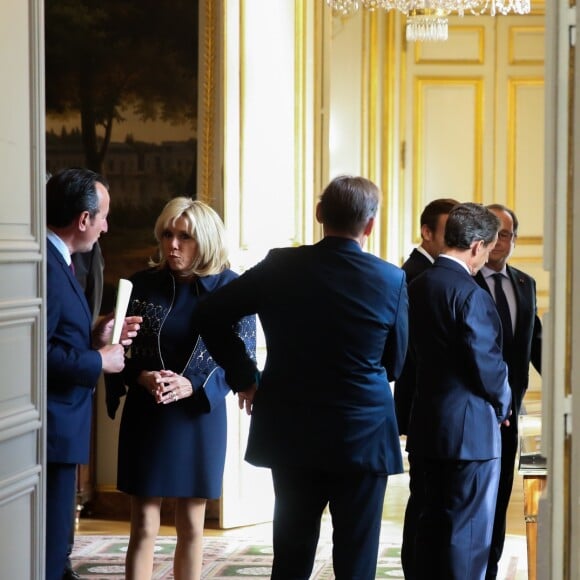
{"type": "Point", "coordinates": [104, 57]}
{"type": "Point", "coordinates": [112, 68]}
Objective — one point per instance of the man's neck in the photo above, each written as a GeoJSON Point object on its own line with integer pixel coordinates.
{"type": "Point", "coordinates": [335, 234]}
{"type": "Point", "coordinates": [64, 235]}
{"type": "Point", "coordinates": [463, 256]}
{"type": "Point", "coordinates": [421, 249]}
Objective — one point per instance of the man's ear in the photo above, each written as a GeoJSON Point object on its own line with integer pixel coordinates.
{"type": "Point", "coordinates": [369, 227]}
{"type": "Point", "coordinates": [318, 218]}
{"type": "Point", "coordinates": [83, 220]}
{"type": "Point", "coordinates": [426, 233]}
{"type": "Point", "coordinates": [476, 247]}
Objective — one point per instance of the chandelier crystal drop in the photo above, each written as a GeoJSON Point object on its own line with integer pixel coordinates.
{"type": "Point", "coordinates": [427, 19]}
{"type": "Point", "coordinates": [426, 26]}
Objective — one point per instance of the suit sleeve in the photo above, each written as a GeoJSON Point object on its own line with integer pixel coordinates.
{"type": "Point", "coordinates": [217, 315]}
{"type": "Point", "coordinates": [536, 351]}
{"type": "Point", "coordinates": [397, 340]}
{"type": "Point", "coordinates": [482, 332]}
{"type": "Point", "coordinates": [214, 388]}
{"type": "Point", "coordinates": [70, 358]}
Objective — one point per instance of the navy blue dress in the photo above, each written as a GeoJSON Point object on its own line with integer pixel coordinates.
{"type": "Point", "coordinates": [178, 449]}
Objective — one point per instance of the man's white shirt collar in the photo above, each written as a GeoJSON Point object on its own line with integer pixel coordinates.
{"type": "Point", "coordinates": [487, 272]}
{"type": "Point", "coordinates": [423, 251]}
{"type": "Point", "coordinates": [60, 246]}
{"type": "Point", "coordinates": [460, 262]}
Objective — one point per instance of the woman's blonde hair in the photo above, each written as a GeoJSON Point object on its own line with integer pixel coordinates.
{"type": "Point", "coordinates": [204, 225]}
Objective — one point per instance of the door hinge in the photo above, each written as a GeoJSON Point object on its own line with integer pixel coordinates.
{"type": "Point", "coordinates": [568, 415]}
{"type": "Point", "coordinates": [572, 26]}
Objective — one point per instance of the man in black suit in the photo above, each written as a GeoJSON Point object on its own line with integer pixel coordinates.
{"type": "Point", "coordinates": [323, 419]}
{"type": "Point", "coordinates": [522, 344]}
{"type": "Point", "coordinates": [432, 222]}
{"type": "Point", "coordinates": [461, 398]}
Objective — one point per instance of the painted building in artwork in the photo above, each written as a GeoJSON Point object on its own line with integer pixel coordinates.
{"type": "Point", "coordinates": [138, 172]}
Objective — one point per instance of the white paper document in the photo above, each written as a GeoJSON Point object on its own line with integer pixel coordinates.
{"type": "Point", "coordinates": [123, 295]}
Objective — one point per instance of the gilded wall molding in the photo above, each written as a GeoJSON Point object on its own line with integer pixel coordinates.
{"type": "Point", "coordinates": [300, 120]}
{"type": "Point", "coordinates": [388, 137]}
{"type": "Point", "coordinates": [208, 112]}
{"type": "Point", "coordinates": [478, 31]}
{"type": "Point", "coordinates": [418, 179]}
{"type": "Point", "coordinates": [513, 85]}
{"type": "Point", "coordinates": [519, 31]}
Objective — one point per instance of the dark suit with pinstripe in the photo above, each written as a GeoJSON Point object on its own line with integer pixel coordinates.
{"type": "Point", "coordinates": [404, 392]}
{"type": "Point", "coordinates": [526, 347]}
{"type": "Point", "coordinates": [462, 396]}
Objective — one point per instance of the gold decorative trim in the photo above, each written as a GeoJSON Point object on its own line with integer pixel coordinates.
{"type": "Point", "coordinates": [300, 132]}
{"type": "Point", "coordinates": [369, 117]}
{"type": "Point", "coordinates": [516, 260]}
{"type": "Point", "coordinates": [479, 30]}
{"type": "Point", "coordinates": [538, 8]}
{"type": "Point", "coordinates": [418, 178]}
{"type": "Point", "coordinates": [242, 242]}
{"type": "Point", "coordinates": [389, 168]}
{"type": "Point", "coordinates": [208, 113]}
{"type": "Point", "coordinates": [513, 85]}
{"type": "Point", "coordinates": [514, 31]}
{"type": "Point", "coordinates": [530, 240]}
{"type": "Point", "coordinates": [323, 24]}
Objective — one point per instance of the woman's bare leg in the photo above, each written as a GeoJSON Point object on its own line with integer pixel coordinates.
{"type": "Point", "coordinates": [145, 519]}
{"type": "Point", "coordinates": [189, 522]}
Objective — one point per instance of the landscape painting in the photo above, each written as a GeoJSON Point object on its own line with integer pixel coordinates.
{"type": "Point", "coordinates": [121, 99]}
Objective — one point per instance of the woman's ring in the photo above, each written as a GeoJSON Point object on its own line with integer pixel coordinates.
{"type": "Point", "coordinates": [175, 395]}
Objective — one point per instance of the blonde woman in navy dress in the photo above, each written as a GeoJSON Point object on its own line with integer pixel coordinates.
{"type": "Point", "coordinates": [172, 440]}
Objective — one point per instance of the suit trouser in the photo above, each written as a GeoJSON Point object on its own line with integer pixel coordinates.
{"type": "Point", "coordinates": [454, 529]}
{"type": "Point", "coordinates": [60, 491]}
{"type": "Point", "coordinates": [509, 446]}
{"type": "Point", "coordinates": [355, 501]}
{"type": "Point", "coordinates": [412, 513]}
{"type": "Point", "coordinates": [71, 538]}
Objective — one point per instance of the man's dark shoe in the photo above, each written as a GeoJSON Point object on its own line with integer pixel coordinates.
{"type": "Point", "coordinates": [70, 574]}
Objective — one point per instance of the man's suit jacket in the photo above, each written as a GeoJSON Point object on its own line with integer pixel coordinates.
{"type": "Point", "coordinates": [404, 391]}
{"type": "Point", "coordinates": [335, 321]}
{"type": "Point", "coordinates": [89, 271]}
{"type": "Point", "coordinates": [527, 344]}
{"type": "Point", "coordinates": [415, 264]}
{"type": "Point", "coordinates": [73, 367]}
{"type": "Point", "coordinates": [462, 390]}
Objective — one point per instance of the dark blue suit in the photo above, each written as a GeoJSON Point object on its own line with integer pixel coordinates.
{"type": "Point", "coordinates": [415, 265]}
{"type": "Point", "coordinates": [73, 369]}
{"type": "Point", "coordinates": [462, 395]}
{"type": "Point", "coordinates": [335, 321]}
{"type": "Point", "coordinates": [526, 347]}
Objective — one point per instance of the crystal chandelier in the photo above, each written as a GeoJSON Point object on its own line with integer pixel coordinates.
{"type": "Point", "coordinates": [427, 19]}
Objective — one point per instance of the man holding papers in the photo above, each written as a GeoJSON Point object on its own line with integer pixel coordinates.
{"type": "Point", "coordinates": [77, 204]}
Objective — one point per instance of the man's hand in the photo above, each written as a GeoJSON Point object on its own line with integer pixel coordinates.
{"type": "Point", "coordinates": [246, 398]}
{"type": "Point", "coordinates": [113, 356]}
{"type": "Point", "coordinates": [506, 422]}
{"type": "Point", "coordinates": [103, 330]}
{"type": "Point", "coordinates": [131, 326]}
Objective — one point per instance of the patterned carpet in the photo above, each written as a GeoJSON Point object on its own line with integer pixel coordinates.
{"type": "Point", "coordinates": [101, 557]}
{"type": "Point", "coordinates": [226, 558]}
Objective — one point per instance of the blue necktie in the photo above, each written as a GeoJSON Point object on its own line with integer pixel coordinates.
{"type": "Point", "coordinates": [503, 309]}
